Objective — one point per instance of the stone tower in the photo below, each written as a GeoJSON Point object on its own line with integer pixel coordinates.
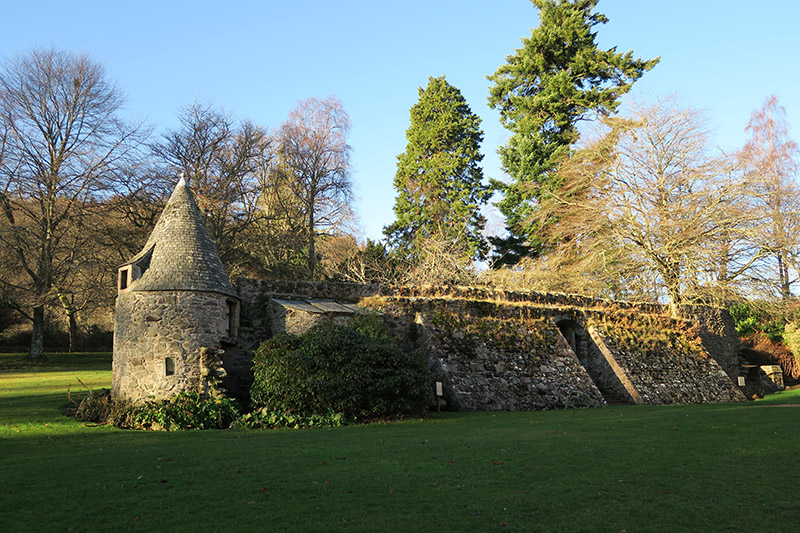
{"type": "Point", "coordinates": [175, 306]}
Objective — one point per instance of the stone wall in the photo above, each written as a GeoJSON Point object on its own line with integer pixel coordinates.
{"type": "Point", "coordinates": [251, 289]}
{"type": "Point", "coordinates": [261, 318]}
{"type": "Point", "coordinates": [718, 333]}
{"type": "Point", "coordinates": [488, 363]}
{"type": "Point", "coordinates": [599, 363]}
{"type": "Point", "coordinates": [503, 350]}
{"type": "Point", "coordinates": [296, 316]}
{"type": "Point", "coordinates": [154, 357]}
{"type": "Point", "coordinates": [663, 359]}
{"type": "Point", "coordinates": [496, 356]}
{"type": "Point", "coordinates": [716, 327]}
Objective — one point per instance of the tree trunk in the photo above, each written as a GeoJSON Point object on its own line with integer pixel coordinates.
{"type": "Point", "coordinates": [312, 258]}
{"type": "Point", "coordinates": [73, 330]}
{"type": "Point", "coordinates": [36, 351]}
{"type": "Point", "coordinates": [674, 294]}
{"type": "Point", "coordinates": [783, 274]}
{"type": "Point", "coordinates": [68, 304]}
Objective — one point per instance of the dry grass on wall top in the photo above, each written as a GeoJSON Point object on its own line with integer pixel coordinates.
{"type": "Point", "coordinates": [631, 328]}
{"type": "Point", "coordinates": [641, 333]}
{"type": "Point", "coordinates": [537, 334]}
{"type": "Point", "coordinates": [504, 324]}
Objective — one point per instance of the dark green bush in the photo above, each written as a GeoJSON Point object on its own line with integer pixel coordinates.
{"type": "Point", "coordinates": [187, 410]}
{"type": "Point", "coordinates": [355, 370]}
{"type": "Point", "coordinates": [371, 326]}
{"type": "Point", "coordinates": [266, 419]}
{"type": "Point", "coordinates": [750, 320]}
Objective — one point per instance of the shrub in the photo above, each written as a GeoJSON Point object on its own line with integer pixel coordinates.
{"type": "Point", "coordinates": [771, 337]}
{"type": "Point", "coordinates": [791, 338]}
{"type": "Point", "coordinates": [748, 320]}
{"type": "Point", "coordinates": [265, 419]}
{"type": "Point", "coordinates": [355, 370]}
{"type": "Point", "coordinates": [187, 410]}
{"type": "Point", "coordinates": [765, 351]}
{"type": "Point", "coordinates": [95, 407]}
{"type": "Point", "coordinates": [371, 326]}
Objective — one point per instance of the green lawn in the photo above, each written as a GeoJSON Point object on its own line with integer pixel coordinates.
{"type": "Point", "coordinates": [633, 468]}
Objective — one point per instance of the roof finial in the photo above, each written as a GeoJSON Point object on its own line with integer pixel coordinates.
{"type": "Point", "coordinates": [182, 182]}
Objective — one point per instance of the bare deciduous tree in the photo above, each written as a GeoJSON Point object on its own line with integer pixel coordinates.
{"type": "Point", "coordinates": [770, 166]}
{"type": "Point", "coordinates": [370, 262]}
{"type": "Point", "coordinates": [440, 262]}
{"type": "Point", "coordinates": [313, 151]}
{"type": "Point", "coordinates": [63, 148]}
{"type": "Point", "coordinates": [649, 205]}
{"type": "Point", "coordinates": [279, 239]}
{"type": "Point", "coordinates": [221, 160]}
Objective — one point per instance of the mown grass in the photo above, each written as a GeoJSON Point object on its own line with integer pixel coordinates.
{"type": "Point", "coordinates": [786, 397]}
{"type": "Point", "coordinates": [633, 468]}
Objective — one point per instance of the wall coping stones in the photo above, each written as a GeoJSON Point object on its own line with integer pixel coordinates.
{"type": "Point", "coordinates": [353, 292]}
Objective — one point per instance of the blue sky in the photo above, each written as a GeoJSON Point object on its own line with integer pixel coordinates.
{"type": "Point", "coordinates": [257, 59]}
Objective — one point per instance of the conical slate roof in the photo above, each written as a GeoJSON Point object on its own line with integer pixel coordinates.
{"type": "Point", "coordinates": [182, 255]}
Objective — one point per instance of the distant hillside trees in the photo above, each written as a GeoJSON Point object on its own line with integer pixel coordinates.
{"type": "Point", "coordinates": [439, 180]}
{"type": "Point", "coordinates": [64, 149]}
{"type": "Point", "coordinates": [558, 78]}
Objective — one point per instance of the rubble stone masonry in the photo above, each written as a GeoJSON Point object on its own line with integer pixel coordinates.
{"type": "Point", "coordinates": [158, 340]}
{"type": "Point", "coordinates": [506, 350]}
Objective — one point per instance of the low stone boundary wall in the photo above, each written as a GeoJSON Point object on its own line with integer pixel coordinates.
{"type": "Point", "coordinates": [496, 356]}
{"type": "Point", "coordinates": [503, 350]}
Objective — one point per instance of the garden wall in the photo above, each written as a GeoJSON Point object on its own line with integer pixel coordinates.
{"type": "Point", "coordinates": [506, 350]}
{"type": "Point", "coordinates": [664, 360]}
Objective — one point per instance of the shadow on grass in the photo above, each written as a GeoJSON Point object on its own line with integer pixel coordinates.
{"type": "Point", "coordinates": [634, 468]}
{"type": "Point", "coordinates": [30, 411]}
{"type": "Point", "coordinates": [684, 468]}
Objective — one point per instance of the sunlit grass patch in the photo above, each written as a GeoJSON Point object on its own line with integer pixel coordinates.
{"type": "Point", "coordinates": [637, 468]}
{"type": "Point", "coordinates": [786, 397]}
{"type": "Point", "coordinates": [32, 394]}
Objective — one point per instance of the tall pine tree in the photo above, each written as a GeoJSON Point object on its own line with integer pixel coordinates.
{"type": "Point", "coordinates": [556, 79]}
{"type": "Point", "coordinates": [439, 180]}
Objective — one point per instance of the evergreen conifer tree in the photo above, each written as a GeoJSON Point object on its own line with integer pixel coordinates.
{"type": "Point", "coordinates": [545, 88]}
{"type": "Point", "coordinates": [439, 180]}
